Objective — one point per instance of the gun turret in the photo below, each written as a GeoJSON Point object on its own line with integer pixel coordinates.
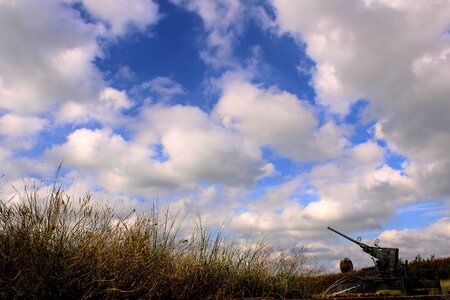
{"type": "Point", "coordinates": [391, 273]}
{"type": "Point", "coordinates": [386, 258]}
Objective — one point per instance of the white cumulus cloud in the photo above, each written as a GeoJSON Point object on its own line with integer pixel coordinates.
{"type": "Point", "coordinates": [15, 125]}
{"type": "Point", "coordinates": [278, 120]}
{"type": "Point", "coordinates": [199, 147]}
{"type": "Point", "coordinates": [395, 54]}
{"type": "Point", "coordinates": [121, 14]}
{"type": "Point", "coordinates": [46, 54]}
{"type": "Point", "coordinates": [222, 21]}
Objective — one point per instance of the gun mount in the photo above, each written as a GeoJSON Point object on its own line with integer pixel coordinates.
{"type": "Point", "coordinates": [386, 259]}
{"type": "Point", "coordinates": [391, 273]}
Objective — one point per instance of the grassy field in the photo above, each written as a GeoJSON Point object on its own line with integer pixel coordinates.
{"type": "Point", "coordinates": [58, 247]}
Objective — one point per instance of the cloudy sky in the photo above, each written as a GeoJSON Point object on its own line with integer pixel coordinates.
{"type": "Point", "coordinates": [276, 118]}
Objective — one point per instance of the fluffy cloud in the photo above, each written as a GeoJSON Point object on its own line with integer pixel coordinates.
{"type": "Point", "coordinates": [121, 14]}
{"type": "Point", "coordinates": [197, 146]}
{"type": "Point", "coordinates": [381, 66]}
{"type": "Point", "coordinates": [48, 56]}
{"type": "Point", "coordinates": [278, 120]}
{"type": "Point", "coordinates": [164, 87]}
{"type": "Point", "coordinates": [14, 125]}
{"type": "Point", "coordinates": [431, 240]}
{"type": "Point", "coordinates": [20, 131]}
{"type": "Point", "coordinates": [396, 55]}
{"type": "Point", "coordinates": [175, 147]}
{"type": "Point", "coordinates": [222, 23]}
{"type": "Point", "coordinates": [4, 154]}
{"type": "Point", "coordinates": [355, 191]}
{"type": "Point", "coordinates": [114, 98]}
{"type": "Point", "coordinates": [47, 61]}
{"type": "Point", "coordinates": [431, 179]}
{"type": "Point", "coordinates": [107, 109]}
{"type": "Point", "coordinates": [358, 189]}
{"type": "Point", "coordinates": [112, 162]}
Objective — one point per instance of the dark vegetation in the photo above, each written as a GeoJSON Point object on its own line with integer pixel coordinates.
{"type": "Point", "coordinates": [430, 268]}
{"type": "Point", "coordinates": [63, 248]}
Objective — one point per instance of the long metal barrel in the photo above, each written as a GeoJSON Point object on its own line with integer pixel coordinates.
{"type": "Point", "coordinates": [343, 235]}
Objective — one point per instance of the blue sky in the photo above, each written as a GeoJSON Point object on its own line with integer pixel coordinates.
{"type": "Point", "coordinates": [277, 118]}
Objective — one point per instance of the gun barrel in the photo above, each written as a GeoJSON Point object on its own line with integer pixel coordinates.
{"type": "Point", "coordinates": [343, 235]}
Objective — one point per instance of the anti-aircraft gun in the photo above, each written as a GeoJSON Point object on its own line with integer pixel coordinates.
{"type": "Point", "coordinates": [391, 274]}
{"type": "Point", "coordinates": [386, 259]}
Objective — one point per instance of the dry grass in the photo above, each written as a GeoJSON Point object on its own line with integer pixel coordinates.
{"type": "Point", "coordinates": [58, 247]}
{"type": "Point", "coordinates": [445, 286]}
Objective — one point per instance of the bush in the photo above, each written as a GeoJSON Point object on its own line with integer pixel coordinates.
{"type": "Point", "coordinates": [430, 268]}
